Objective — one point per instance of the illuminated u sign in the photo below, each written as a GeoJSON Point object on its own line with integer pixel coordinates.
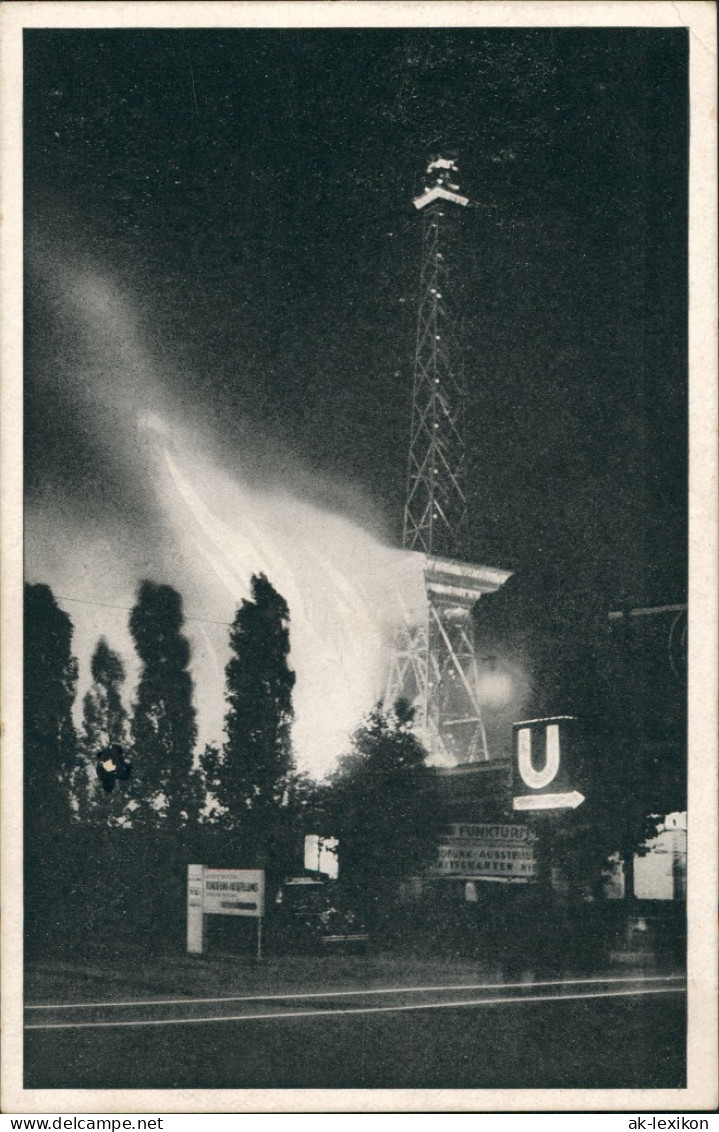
{"type": "Point", "coordinates": [533, 778]}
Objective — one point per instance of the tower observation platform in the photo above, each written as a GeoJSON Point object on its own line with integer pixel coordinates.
{"type": "Point", "coordinates": [433, 665]}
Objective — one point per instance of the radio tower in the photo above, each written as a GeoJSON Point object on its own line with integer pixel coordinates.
{"type": "Point", "coordinates": [433, 665]}
{"type": "Point", "coordinates": [436, 508]}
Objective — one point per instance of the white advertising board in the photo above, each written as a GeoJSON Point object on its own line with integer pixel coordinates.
{"type": "Point", "coordinates": [234, 892]}
{"type": "Point", "coordinates": [487, 851]}
{"type": "Point", "coordinates": [223, 892]}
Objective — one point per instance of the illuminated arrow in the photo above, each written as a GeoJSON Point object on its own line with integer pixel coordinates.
{"type": "Point", "coordinates": [568, 801]}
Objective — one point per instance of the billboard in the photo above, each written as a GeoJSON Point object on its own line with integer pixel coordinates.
{"type": "Point", "coordinates": [222, 892]}
{"type": "Point", "coordinates": [234, 892]}
{"type": "Point", "coordinates": [487, 851]}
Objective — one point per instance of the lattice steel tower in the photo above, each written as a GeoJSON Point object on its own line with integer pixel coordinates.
{"type": "Point", "coordinates": [436, 507]}
{"type": "Point", "coordinates": [433, 664]}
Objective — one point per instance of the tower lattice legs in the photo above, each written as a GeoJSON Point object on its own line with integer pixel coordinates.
{"type": "Point", "coordinates": [433, 666]}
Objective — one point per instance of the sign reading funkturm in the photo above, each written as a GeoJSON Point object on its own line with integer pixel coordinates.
{"type": "Point", "coordinates": [543, 765]}
{"type": "Point", "coordinates": [487, 851]}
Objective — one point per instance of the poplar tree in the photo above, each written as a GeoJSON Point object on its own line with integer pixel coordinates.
{"type": "Point", "coordinates": [104, 715]}
{"type": "Point", "coordinates": [50, 681]}
{"type": "Point", "coordinates": [251, 776]}
{"type": "Point", "coordinates": [104, 722]}
{"type": "Point", "coordinates": [49, 758]}
{"type": "Point", "coordinates": [163, 725]}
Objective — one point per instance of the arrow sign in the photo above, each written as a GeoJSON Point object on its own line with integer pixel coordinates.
{"type": "Point", "coordinates": [568, 801]}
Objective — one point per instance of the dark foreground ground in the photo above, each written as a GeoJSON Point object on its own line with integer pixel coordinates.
{"type": "Point", "coordinates": [387, 1022]}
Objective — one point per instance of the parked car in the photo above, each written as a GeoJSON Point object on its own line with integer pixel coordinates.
{"type": "Point", "coordinates": [310, 915]}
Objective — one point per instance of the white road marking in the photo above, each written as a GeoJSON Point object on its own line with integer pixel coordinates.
{"type": "Point", "coordinates": [291, 1014]}
{"type": "Point", "coordinates": [619, 979]}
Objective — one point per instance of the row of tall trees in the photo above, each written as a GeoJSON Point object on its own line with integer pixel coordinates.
{"type": "Point", "coordinates": [111, 859]}
{"type": "Point", "coordinates": [114, 864]}
{"type": "Point", "coordinates": [249, 774]}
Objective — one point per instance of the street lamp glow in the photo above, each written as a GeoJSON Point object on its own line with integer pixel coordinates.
{"type": "Point", "coordinates": [495, 687]}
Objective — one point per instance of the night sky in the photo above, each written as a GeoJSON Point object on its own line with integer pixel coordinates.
{"type": "Point", "coordinates": [221, 241]}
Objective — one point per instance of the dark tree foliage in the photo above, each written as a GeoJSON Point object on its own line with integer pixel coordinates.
{"type": "Point", "coordinates": [104, 722]}
{"type": "Point", "coordinates": [551, 633]}
{"type": "Point", "coordinates": [50, 679]}
{"type": "Point", "coordinates": [163, 726]}
{"type": "Point", "coordinates": [104, 715]}
{"type": "Point", "coordinates": [49, 759]}
{"type": "Point", "coordinates": [210, 766]}
{"type": "Point", "coordinates": [381, 805]}
{"type": "Point", "coordinates": [251, 777]}
{"type": "Point", "coordinates": [297, 817]}
{"type": "Point", "coordinates": [271, 838]}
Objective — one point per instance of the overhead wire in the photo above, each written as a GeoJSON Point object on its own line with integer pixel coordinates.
{"type": "Point", "coordinates": [128, 609]}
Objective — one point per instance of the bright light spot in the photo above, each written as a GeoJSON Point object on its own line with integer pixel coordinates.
{"type": "Point", "coordinates": [495, 688]}
{"type": "Point", "coordinates": [321, 855]}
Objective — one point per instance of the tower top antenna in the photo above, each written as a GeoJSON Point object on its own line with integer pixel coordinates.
{"type": "Point", "coordinates": [440, 182]}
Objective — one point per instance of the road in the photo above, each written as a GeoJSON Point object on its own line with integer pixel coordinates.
{"type": "Point", "coordinates": [619, 1032]}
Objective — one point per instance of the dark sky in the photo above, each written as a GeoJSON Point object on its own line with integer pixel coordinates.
{"type": "Point", "coordinates": [252, 190]}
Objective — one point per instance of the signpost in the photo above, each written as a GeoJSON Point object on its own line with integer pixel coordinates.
{"type": "Point", "coordinates": [543, 750]}
{"type": "Point", "coordinates": [544, 767]}
{"type": "Point", "coordinates": [223, 892]}
{"type": "Point", "coordinates": [195, 917]}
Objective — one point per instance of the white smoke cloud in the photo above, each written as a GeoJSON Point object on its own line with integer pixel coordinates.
{"type": "Point", "coordinates": [338, 580]}
{"type": "Point", "coordinates": [206, 531]}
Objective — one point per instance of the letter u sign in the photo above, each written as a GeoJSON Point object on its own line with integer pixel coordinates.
{"type": "Point", "coordinates": [532, 777]}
